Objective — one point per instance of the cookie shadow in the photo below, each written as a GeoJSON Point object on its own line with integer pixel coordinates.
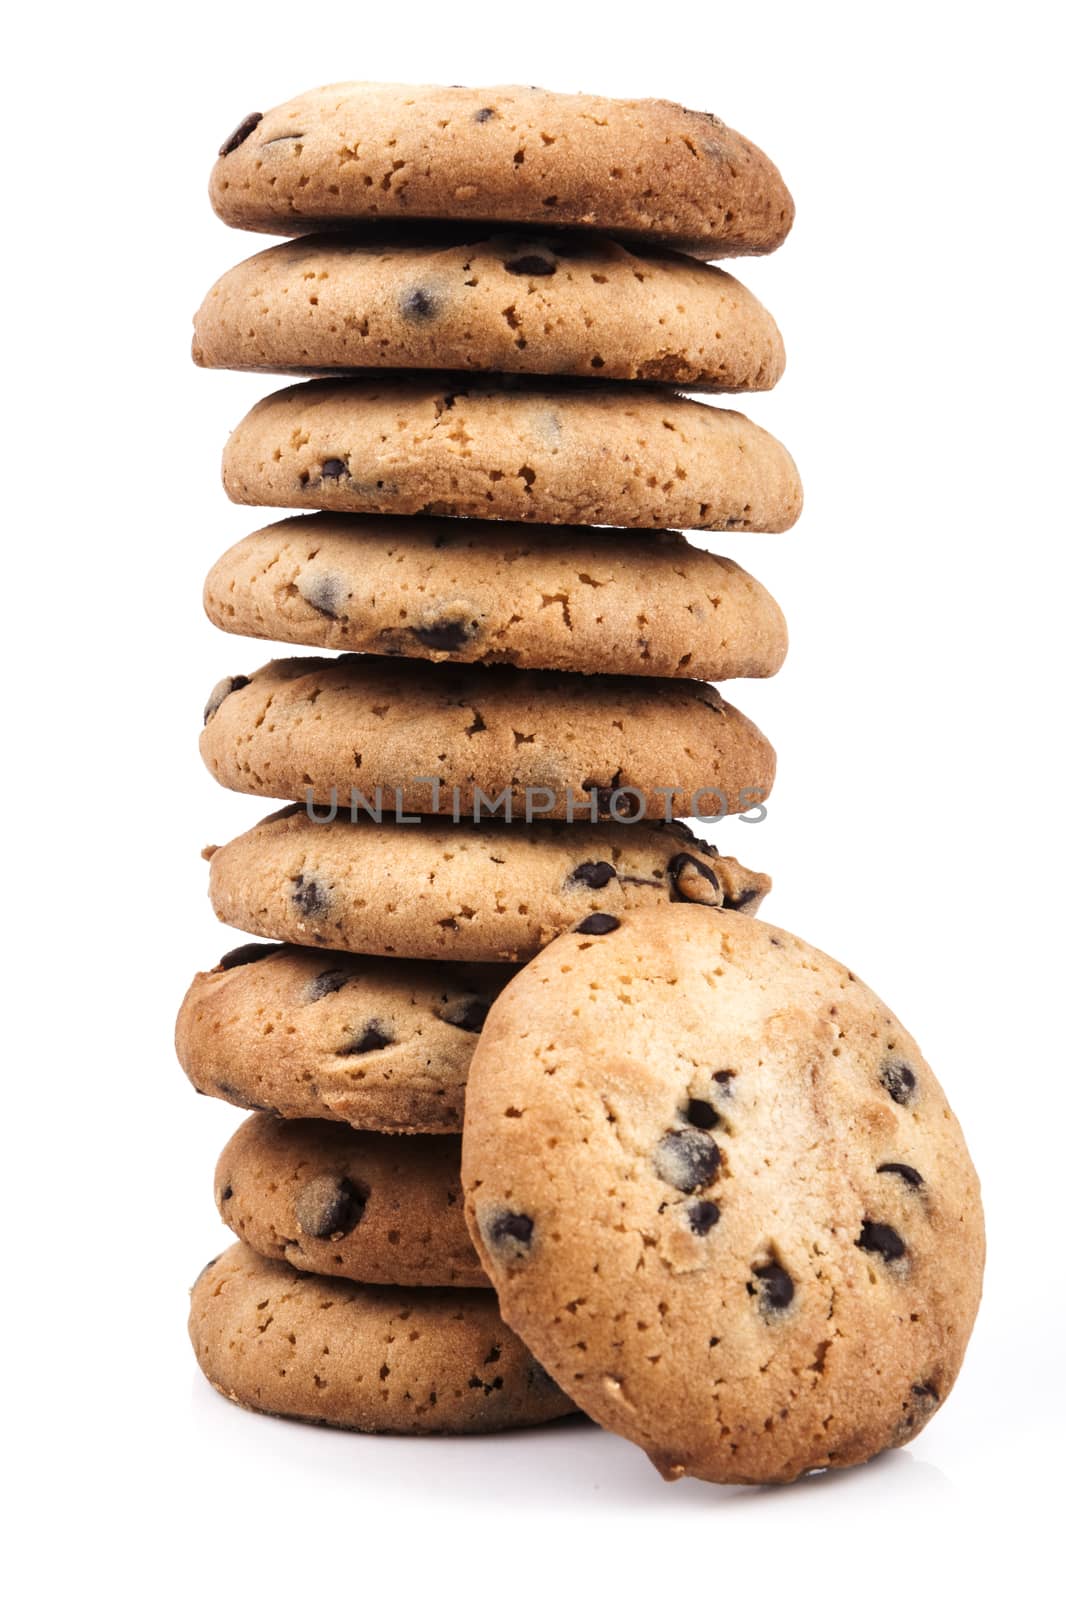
{"type": "Point", "coordinates": [554, 1467]}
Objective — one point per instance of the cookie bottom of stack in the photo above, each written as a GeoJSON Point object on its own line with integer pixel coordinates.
{"type": "Point", "coordinates": [363, 1357]}
{"type": "Point", "coordinates": [354, 1296]}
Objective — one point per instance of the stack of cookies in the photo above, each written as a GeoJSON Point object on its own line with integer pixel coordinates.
{"type": "Point", "coordinates": [494, 300]}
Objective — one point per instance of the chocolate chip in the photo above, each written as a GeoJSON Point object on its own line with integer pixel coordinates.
{"type": "Point", "coordinates": [373, 1037]}
{"type": "Point", "coordinates": [324, 983]}
{"type": "Point", "coordinates": [323, 590]}
{"type": "Point", "coordinates": [881, 1240]}
{"type": "Point", "coordinates": [599, 922]}
{"type": "Point", "coordinates": [530, 266]}
{"type": "Point", "coordinates": [736, 902]}
{"type": "Point", "coordinates": [206, 1268]}
{"type": "Point", "coordinates": [470, 1016]}
{"type": "Point", "coordinates": [592, 874]}
{"type": "Point", "coordinates": [701, 1114]}
{"type": "Point", "coordinates": [230, 1092]}
{"type": "Point", "coordinates": [240, 133]}
{"type": "Point", "coordinates": [908, 1174]}
{"type": "Point", "coordinates": [680, 872]}
{"type": "Point", "coordinates": [486, 1388]}
{"type": "Point", "coordinates": [537, 1378]}
{"type": "Point", "coordinates": [687, 1159]}
{"type": "Point", "coordinates": [293, 809]}
{"type": "Point", "coordinates": [334, 467]}
{"type": "Point", "coordinates": [245, 954]}
{"type": "Point", "coordinates": [511, 1227]}
{"type": "Point", "coordinates": [899, 1080]}
{"type": "Point", "coordinates": [681, 830]}
{"type": "Point", "coordinates": [603, 792]}
{"type": "Point", "coordinates": [919, 1405]}
{"type": "Point", "coordinates": [225, 687]}
{"type": "Point", "coordinates": [774, 1287]}
{"type": "Point", "coordinates": [310, 897]}
{"type": "Point", "coordinates": [445, 635]}
{"type": "Point", "coordinates": [486, 114]}
{"type": "Point", "coordinates": [702, 1216]}
{"type": "Point", "coordinates": [725, 1078]}
{"type": "Point", "coordinates": [418, 305]}
{"type": "Point", "coordinates": [329, 1206]}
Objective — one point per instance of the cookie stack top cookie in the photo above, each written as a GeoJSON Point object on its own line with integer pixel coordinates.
{"type": "Point", "coordinates": [352, 153]}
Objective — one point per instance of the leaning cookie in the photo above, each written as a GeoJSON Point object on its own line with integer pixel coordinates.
{"type": "Point", "coordinates": [377, 1043]}
{"type": "Point", "coordinates": [736, 1219]}
{"type": "Point", "coordinates": [368, 1206]}
{"type": "Point", "coordinates": [426, 738]}
{"type": "Point", "coordinates": [551, 303]}
{"type": "Point", "coordinates": [571, 599]}
{"type": "Point", "coordinates": [453, 891]}
{"type": "Point", "coordinates": [628, 455]}
{"type": "Point", "coordinates": [360, 1356]}
{"type": "Point", "coordinates": [363, 152]}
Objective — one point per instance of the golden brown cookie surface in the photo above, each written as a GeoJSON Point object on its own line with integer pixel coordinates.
{"type": "Point", "coordinates": [354, 1355]}
{"type": "Point", "coordinates": [429, 738]}
{"type": "Point", "coordinates": [550, 303]}
{"type": "Point", "coordinates": [721, 1195]}
{"type": "Point", "coordinates": [569, 599]}
{"type": "Point", "coordinates": [625, 455]}
{"type": "Point", "coordinates": [377, 1043]}
{"type": "Point", "coordinates": [448, 891]}
{"type": "Point", "coordinates": [374, 1207]}
{"type": "Point", "coordinates": [362, 152]}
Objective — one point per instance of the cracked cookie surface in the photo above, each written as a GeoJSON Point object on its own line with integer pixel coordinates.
{"type": "Point", "coordinates": [546, 303]}
{"type": "Point", "coordinates": [462, 739]}
{"type": "Point", "coordinates": [373, 1207]}
{"type": "Point", "coordinates": [361, 1356]}
{"type": "Point", "coordinates": [360, 152]}
{"type": "Point", "coordinates": [376, 1043]}
{"type": "Point", "coordinates": [625, 455]}
{"type": "Point", "coordinates": [453, 890]}
{"type": "Point", "coordinates": [570, 599]}
{"type": "Point", "coordinates": [721, 1195]}
{"type": "Point", "coordinates": [439, 890]}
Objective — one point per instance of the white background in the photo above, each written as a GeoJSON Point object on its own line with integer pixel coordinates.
{"type": "Point", "coordinates": [914, 831]}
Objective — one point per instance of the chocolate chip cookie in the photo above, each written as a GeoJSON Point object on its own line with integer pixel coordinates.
{"type": "Point", "coordinates": [721, 1195]}
{"type": "Point", "coordinates": [353, 1355]}
{"type": "Point", "coordinates": [360, 152]}
{"type": "Point", "coordinates": [629, 455]}
{"type": "Point", "coordinates": [551, 303]}
{"type": "Point", "coordinates": [570, 599]}
{"type": "Point", "coordinates": [454, 891]}
{"type": "Point", "coordinates": [461, 739]}
{"type": "Point", "coordinates": [377, 1043]}
{"type": "Point", "coordinates": [368, 1206]}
